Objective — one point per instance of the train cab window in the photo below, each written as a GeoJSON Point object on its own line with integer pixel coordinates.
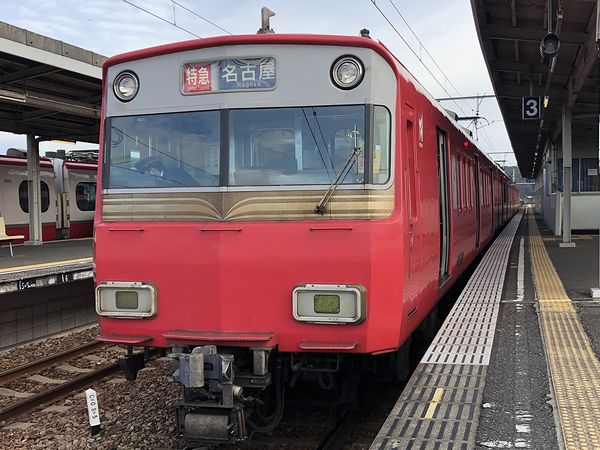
{"type": "Point", "coordinates": [250, 147]}
{"type": "Point", "coordinates": [24, 196]}
{"type": "Point", "coordinates": [85, 196]}
{"type": "Point", "coordinates": [175, 150]}
{"type": "Point", "coordinates": [296, 146]}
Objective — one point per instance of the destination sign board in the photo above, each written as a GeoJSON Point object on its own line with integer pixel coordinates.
{"type": "Point", "coordinates": [229, 75]}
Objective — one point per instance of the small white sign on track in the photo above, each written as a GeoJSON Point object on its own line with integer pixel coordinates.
{"type": "Point", "coordinates": [93, 410]}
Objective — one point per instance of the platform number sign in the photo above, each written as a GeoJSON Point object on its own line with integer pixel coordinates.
{"type": "Point", "coordinates": [531, 108]}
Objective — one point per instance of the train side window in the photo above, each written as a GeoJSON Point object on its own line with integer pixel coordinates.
{"type": "Point", "coordinates": [461, 178]}
{"type": "Point", "coordinates": [483, 187]}
{"type": "Point", "coordinates": [454, 183]}
{"type": "Point", "coordinates": [24, 196]}
{"type": "Point", "coordinates": [381, 145]}
{"type": "Point", "coordinates": [467, 184]}
{"type": "Point", "coordinates": [464, 183]}
{"type": "Point", "coordinates": [85, 196]}
{"type": "Point", "coordinates": [486, 194]}
{"type": "Point", "coordinates": [470, 183]}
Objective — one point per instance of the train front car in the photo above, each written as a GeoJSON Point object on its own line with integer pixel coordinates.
{"type": "Point", "coordinates": [248, 219]}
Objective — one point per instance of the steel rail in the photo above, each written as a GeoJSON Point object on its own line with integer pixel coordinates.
{"type": "Point", "coordinates": [338, 435]}
{"type": "Point", "coordinates": [58, 392]}
{"type": "Point", "coordinates": [18, 372]}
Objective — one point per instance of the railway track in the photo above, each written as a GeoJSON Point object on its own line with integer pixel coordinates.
{"type": "Point", "coordinates": [58, 391]}
{"type": "Point", "coordinates": [18, 372]}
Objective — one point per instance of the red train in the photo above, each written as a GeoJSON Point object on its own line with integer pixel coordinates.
{"type": "Point", "coordinates": [276, 207]}
{"type": "Point", "coordinates": [68, 196]}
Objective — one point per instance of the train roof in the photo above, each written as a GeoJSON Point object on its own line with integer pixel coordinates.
{"type": "Point", "coordinates": [46, 163]}
{"type": "Point", "coordinates": [6, 160]}
{"type": "Point", "coordinates": [81, 165]}
{"type": "Point", "coordinates": [249, 39]}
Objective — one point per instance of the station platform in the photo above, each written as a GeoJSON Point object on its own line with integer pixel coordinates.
{"type": "Point", "coordinates": [516, 362]}
{"type": "Point", "coordinates": [36, 266]}
{"type": "Point", "coordinates": [45, 289]}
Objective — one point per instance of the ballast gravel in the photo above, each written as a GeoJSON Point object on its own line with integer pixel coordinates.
{"type": "Point", "coordinates": [23, 354]}
{"type": "Point", "coordinates": [134, 415]}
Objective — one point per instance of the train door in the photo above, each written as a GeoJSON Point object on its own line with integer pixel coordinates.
{"type": "Point", "coordinates": [503, 206]}
{"type": "Point", "coordinates": [444, 204]}
{"type": "Point", "coordinates": [496, 198]}
{"type": "Point", "coordinates": [62, 218]}
{"type": "Point", "coordinates": [412, 183]}
{"type": "Point", "coordinates": [477, 201]}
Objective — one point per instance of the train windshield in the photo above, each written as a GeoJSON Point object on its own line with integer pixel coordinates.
{"type": "Point", "coordinates": [296, 146]}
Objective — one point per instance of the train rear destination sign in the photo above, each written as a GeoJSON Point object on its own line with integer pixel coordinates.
{"type": "Point", "coordinates": [531, 108]}
{"type": "Point", "coordinates": [228, 75]}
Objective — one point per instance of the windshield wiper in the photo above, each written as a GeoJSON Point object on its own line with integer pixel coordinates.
{"type": "Point", "coordinates": [352, 158]}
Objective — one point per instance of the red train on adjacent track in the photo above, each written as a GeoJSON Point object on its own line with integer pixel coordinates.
{"type": "Point", "coordinates": [67, 195]}
{"type": "Point", "coordinates": [275, 207]}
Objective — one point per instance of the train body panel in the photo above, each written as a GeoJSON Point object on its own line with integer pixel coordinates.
{"type": "Point", "coordinates": [414, 139]}
{"type": "Point", "coordinates": [79, 188]}
{"type": "Point", "coordinates": [240, 281]}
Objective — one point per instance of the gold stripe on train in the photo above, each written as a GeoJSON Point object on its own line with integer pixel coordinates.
{"type": "Point", "coordinates": [237, 206]}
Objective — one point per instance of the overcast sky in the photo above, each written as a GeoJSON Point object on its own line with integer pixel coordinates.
{"type": "Point", "coordinates": [446, 29]}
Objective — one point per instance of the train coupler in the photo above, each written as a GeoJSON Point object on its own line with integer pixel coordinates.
{"type": "Point", "coordinates": [212, 408]}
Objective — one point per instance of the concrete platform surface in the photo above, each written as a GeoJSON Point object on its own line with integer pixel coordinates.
{"type": "Point", "coordinates": [52, 263]}
{"type": "Point", "coordinates": [539, 387]}
{"type": "Point", "coordinates": [49, 252]}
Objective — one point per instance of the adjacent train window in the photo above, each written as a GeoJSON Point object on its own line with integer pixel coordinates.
{"type": "Point", "coordinates": [85, 196]}
{"type": "Point", "coordinates": [24, 196]}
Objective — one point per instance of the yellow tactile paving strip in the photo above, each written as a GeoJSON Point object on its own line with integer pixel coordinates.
{"type": "Point", "coordinates": [574, 368]}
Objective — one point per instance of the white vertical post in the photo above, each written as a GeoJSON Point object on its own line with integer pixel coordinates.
{"type": "Point", "coordinates": [567, 171]}
{"type": "Point", "coordinates": [33, 191]}
{"type": "Point", "coordinates": [93, 410]}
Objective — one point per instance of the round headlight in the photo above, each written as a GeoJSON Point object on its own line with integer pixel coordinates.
{"type": "Point", "coordinates": [126, 86]}
{"type": "Point", "coordinates": [347, 72]}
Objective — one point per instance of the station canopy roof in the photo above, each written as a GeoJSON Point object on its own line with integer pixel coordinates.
{"type": "Point", "coordinates": [48, 87]}
{"type": "Point", "coordinates": [510, 32]}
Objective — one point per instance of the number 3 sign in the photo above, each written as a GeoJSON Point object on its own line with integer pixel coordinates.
{"type": "Point", "coordinates": [530, 108]}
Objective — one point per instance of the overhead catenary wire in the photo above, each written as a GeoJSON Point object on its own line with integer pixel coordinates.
{"type": "Point", "coordinates": [200, 17]}
{"type": "Point", "coordinates": [416, 55]}
{"type": "Point", "coordinates": [428, 69]}
{"type": "Point", "coordinates": [426, 51]}
{"type": "Point", "coordinates": [161, 18]}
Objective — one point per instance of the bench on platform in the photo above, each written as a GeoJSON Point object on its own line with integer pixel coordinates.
{"type": "Point", "coordinates": [6, 237]}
